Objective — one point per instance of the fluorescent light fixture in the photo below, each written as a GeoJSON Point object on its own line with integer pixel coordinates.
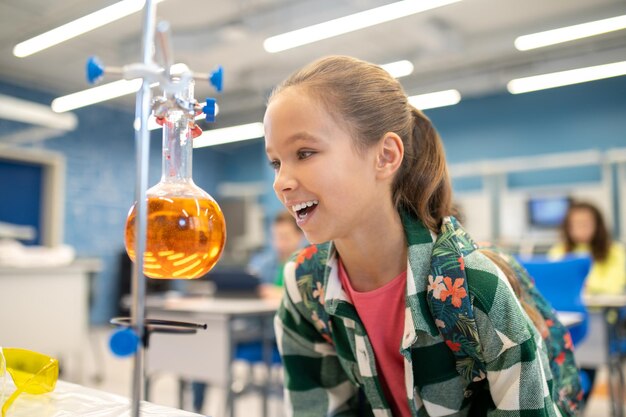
{"type": "Point", "coordinates": [570, 33]}
{"type": "Point", "coordinates": [436, 99]}
{"type": "Point", "coordinates": [399, 68]}
{"type": "Point", "coordinates": [561, 78]}
{"type": "Point", "coordinates": [350, 23]}
{"type": "Point", "coordinates": [78, 27]}
{"type": "Point", "coordinates": [24, 111]}
{"type": "Point", "coordinates": [229, 135]}
{"type": "Point", "coordinates": [97, 94]}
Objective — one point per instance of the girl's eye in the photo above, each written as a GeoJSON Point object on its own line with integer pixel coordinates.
{"type": "Point", "coordinates": [275, 164]}
{"type": "Point", "coordinates": [304, 154]}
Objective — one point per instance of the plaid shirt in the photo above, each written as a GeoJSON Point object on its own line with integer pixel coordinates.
{"type": "Point", "coordinates": [330, 367]}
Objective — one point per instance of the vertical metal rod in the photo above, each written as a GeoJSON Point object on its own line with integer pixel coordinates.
{"type": "Point", "coordinates": [142, 143]}
{"type": "Point", "coordinates": [621, 201]}
{"type": "Point", "coordinates": [609, 185]}
{"type": "Point", "coordinates": [162, 36]}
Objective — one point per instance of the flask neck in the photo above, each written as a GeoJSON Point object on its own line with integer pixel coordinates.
{"type": "Point", "coordinates": [178, 141]}
{"type": "Point", "coordinates": [177, 147]}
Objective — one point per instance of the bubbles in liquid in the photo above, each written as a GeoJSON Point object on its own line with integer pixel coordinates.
{"type": "Point", "coordinates": [185, 237]}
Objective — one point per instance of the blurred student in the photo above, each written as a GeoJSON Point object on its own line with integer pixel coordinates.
{"type": "Point", "coordinates": [584, 232]}
{"type": "Point", "coordinates": [268, 265]}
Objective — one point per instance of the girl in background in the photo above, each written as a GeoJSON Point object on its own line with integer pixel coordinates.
{"type": "Point", "coordinates": [584, 232]}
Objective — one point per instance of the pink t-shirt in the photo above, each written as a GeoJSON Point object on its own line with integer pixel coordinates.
{"type": "Point", "coordinates": [382, 313]}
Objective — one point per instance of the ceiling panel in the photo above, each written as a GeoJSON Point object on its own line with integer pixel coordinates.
{"type": "Point", "coordinates": [467, 45]}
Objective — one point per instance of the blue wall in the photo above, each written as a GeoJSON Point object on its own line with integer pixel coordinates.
{"type": "Point", "coordinates": [246, 162]}
{"type": "Point", "coordinates": [100, 156]}
{"type": "Point", "coordinates": [578, 117]}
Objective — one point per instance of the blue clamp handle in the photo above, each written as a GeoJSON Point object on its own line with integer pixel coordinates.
{"type": "Point", "coordinates": [124, 342]}
{"type": "Point", "coordinates": [95, 69]}
{"type": "Point", "coordinates": [217, 78]}
{"type": "Point", "coordinates": [209, 109]}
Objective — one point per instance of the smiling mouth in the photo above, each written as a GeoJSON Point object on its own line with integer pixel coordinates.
{"type": "Point", "coordinates": [302, 210]}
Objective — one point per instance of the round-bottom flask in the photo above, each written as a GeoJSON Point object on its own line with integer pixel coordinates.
{"type": "Point", "coordinates": [185, 234]}
{"type": "Point", "coordinates": [186, 230]}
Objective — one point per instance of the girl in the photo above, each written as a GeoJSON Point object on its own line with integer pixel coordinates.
{"type": "Point", "coordinates": [392, 311]}
{"type": "Point", "coordinates": [584, 231]}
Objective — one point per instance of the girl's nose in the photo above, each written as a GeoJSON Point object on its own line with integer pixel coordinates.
{"type": "Point", "coordinates": [283, 181]}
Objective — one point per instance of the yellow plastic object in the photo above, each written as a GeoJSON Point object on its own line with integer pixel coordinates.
{"type": "Point", "coordinates": [32, 372]}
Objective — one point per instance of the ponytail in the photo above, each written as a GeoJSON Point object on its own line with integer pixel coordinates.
{"type": "Point", "coordinates": [423, 186]}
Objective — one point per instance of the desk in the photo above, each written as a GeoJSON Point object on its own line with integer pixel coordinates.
{"type": "Point", "coordinates": [610, 306]}
{"type": "Point", "coordinates": [71, 400]}
{"type": "Point", "coordinates": [207, 356]}
{"type": "Point", "coordinates": [46, 310]}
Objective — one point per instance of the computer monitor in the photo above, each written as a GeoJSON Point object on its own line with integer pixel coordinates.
{"type": "Point", "coordinates": [547, 211]}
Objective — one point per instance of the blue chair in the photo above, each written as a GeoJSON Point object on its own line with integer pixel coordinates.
{"type": "Point", "coordinates": [253, 352]}
{"type": "Point", "coordinates": [561, 283]}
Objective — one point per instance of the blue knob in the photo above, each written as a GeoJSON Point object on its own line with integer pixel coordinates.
{"type": "Point", "coordinates": [209, 109]}
{"type": "Point", "coordinates": [217, 78]}
{"type": "Point", "coordinates": [95, 69]}
{"type": "Point", "coordinates": [124, 342]}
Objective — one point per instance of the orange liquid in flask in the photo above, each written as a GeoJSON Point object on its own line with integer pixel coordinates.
{"type": "Point", "coordinates": [185, 236]}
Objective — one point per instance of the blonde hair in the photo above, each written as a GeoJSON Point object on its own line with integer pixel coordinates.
{"type": "Point", "coordinates": [366, 99]}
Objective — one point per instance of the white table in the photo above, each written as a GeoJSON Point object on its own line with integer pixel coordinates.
{"type": "Point", "coordinates": [570, 318]}
{"type": "Point", "coordinates": [207, 355]}
{"type": "Point", "coordinates": [71, 400]}
{"type": "Point", "coordinates": [45, 309]}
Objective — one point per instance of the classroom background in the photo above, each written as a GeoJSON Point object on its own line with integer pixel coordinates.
{"type": "Point", "coordinates": [516, 160]}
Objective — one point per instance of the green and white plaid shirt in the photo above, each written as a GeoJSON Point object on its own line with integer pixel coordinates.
{"type": "Point", "coordinates": [328, 358]}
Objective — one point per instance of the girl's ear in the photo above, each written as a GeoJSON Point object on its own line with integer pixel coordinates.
{"type": "Point", "coordinates": [390, 152]}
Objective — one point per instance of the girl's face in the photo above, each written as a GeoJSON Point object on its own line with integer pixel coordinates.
{"type": "Point", "coordinates": [320, 178]}
{"type": "Point", "coordinates": [581, 225]}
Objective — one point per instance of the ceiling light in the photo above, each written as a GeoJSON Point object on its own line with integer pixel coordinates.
{"type": "Point", "coordinates": [350, 23]}
{"type": "Point", "coordinates": [78, 27]}
{"type": "Point", "coordinates": [24, 111]}
{"type": "Point", "coordinates": [561, 78]}
{"type": "Point", "coordinates": [97, 94]}
{"type": "Point", "coordinates": [436, 99]}
{"type": "Point", "coordinates": [570, 33]}
{"type": "Point", "coordinates": [399, 68]}
{"type": "Point", "coordinates": [229, 135]}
